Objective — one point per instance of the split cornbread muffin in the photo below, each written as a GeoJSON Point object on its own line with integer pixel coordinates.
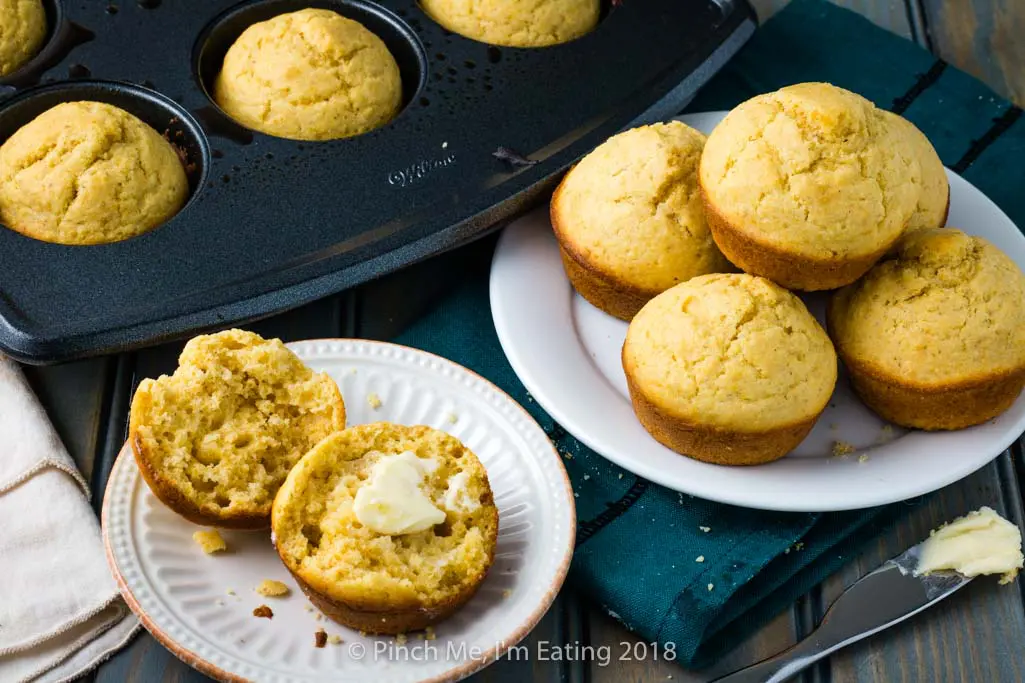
{"type": "Point", "coordinates": [309, 75]}
{"type": "Point", "coordinates": [387, 528]}
{"type": "Point", "coordinates": [88, 173]}
{"type": "Point", "coordinates": [629, 219]}
{"type": "Point", "coordinates": [728, 368]}
{"type": "Point", "coordinates": [516, 23]}
{"type": "Point", "coordinates": [809, 185]}
{"type": "Point", "coordinates": [934, 335]}
{"type": "Point", "coordinates": [22, 32]}
{"type": "Point", "coordinates": [215, 440]}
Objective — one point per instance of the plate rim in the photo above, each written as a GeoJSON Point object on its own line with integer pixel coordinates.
{"type": "Point", "coordinates": [637, 466]}
{"type": "Point", "coordinates": [456, 673]}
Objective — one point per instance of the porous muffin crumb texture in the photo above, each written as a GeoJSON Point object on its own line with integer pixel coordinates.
{"type": "Point", "coordinates": [88, 173]}
{"type": "Point", "coordinates": [216, 439]}
{"type": "Point", "coordinates": [631, 210]}
{"type": "Point", "coordinates": [22, 32]}
{"type": "Point", "coordinates": [814, 170]}
{"type": "Point", "coordinates": [732, 352]}
{"type": "Point", "coordinates": [516, 23]}
{"type": "Point", "coordinates": [322, 542]}
{"type": "Point", "coordinates": [309, 75]}
{"type": "Point", "coordinates": [210, 541]}
{"type": "Point", "coordinates": [943, 308]}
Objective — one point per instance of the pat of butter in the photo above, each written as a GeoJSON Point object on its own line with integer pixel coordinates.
{"type": "Point", "coordinates": [457, 497]}
{"type": "Point", "coordinates": [981, 542]}
{"type": "Point", "coordinates": [391, 502]}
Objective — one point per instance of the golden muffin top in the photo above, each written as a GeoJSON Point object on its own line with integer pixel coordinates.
{"type": "Point", "coordinates": [516, 23]}
{"type": "Point", "coordinates": [22, 32]}
{"type": "Point", "coordinates": [812, 169]}
{"type": "Point", "coordinates": [631, 209]}
{"type": "Point", "coordinates": [931, 210]}
{"type": "Point", "coordinates": [319, 535]}
{"type": "Point", "coordinates": [88, 173]}
{"type": "Point", "coordinates": [942, 307]}
{"type": "Point", "coordinates": [309, 75]}
{"type": "Point", "coordinates": [731, 350]}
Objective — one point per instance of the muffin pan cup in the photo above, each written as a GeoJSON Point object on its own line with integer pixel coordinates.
{"type": "Point", "coordinates": [273, 223]}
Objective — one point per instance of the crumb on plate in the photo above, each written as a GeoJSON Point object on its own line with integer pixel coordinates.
{"type": "Point", "coordinates": [320, 638]}
{"type": "Point", "coordinates": [272, 589]}
{"type": "Point", "coordinates": [210, 541]}
{"type": "Point", "coordinates": [373, 400]}
{"type": "Point", "coordinates": [264, 612]}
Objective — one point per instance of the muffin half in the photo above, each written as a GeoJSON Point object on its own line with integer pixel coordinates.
{"type": "Point", "coordinates": [934, 335]}
{"type": "Point", "coordinates": [728, 369]}
{"type": "Point", "coordinates": [387, 528]}
{"type": "Point", "coordinates": [809, 185]}
{"type": "Point", "coordinates": [215, 440]}
{"type": "Point", "coordinates": [629, 218]}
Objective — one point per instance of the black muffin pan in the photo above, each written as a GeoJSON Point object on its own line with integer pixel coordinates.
{"type": "Point", "coordinates": [272, 223]}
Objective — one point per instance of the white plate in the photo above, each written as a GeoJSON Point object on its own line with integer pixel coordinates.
{"type": "Point", "coordinates": [184, 598]}
{"type": "Point", "coordinates": [567, 353]}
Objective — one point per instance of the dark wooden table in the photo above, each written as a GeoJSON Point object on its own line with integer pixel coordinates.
{"type": "Point", "coordinates": [977, 635]}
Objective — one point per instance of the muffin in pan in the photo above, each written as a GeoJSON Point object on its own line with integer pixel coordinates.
{"type": "Point", "coordinates": [387, 528]}
{"type": "Point", "coordinates": [88, 173]}
{"type": "Point", "coordinates": [216, 439]}
{"type": "Point", "coordinates": [22, 32]}
{"type": "Point", "coordinates": [809, 185]}
{"type": "Point", "coordinates": [934, 335]}
{"type": "Point", "coordinates": [934, 199]}
{"type": "Point", "coordinates": [309, 75]}
{"type": "Point", "coordinates": [516, 23]}
{"type": "Point", "coordinates": [629, 219]}
{"type": "Point", "coordinates": [730, 369]}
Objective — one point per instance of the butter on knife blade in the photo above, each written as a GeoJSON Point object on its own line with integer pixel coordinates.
{"type": "Point", "coordinates": [981, 542]}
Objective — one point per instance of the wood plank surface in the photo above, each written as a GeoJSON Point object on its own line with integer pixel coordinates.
{"type": "Point", "coordinates": [986, 38]}
{"type": "Point", "coordinates": [890, 14]}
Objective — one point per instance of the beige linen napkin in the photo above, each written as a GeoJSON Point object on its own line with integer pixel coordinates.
{"type": "Point", "coordinates": [60, 611]}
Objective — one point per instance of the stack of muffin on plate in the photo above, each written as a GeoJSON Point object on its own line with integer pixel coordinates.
{"type": "Point", "coordinates": [386, 528]}
{"type": "Point", "coordinates": [808, 188]}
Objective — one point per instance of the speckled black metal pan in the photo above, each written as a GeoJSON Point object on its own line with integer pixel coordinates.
{"type": "Point", "coordinates": [274, 223]}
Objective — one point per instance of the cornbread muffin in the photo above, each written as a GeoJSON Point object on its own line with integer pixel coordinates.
{"type": "Point", "coordinates": [729, 369]}
{"type": "Point", "coordinates": [309, 75]}
{"type": "Point", "coordinates": [88, 173]}
{"type": "Point", "coordinates": [22, 32]}
{"type": "Point", "coordinates": [934, 199]}
{"type": "Point", "coordinates": [629, 218]}
{"type": "Point", "coordinates": [809, 185]}
{"type": "Point", "coordinates": [934, 335]}
{"type": "Point", "coordinates": [215, 440]}
{"type": "Point", "coordinates": [516, 23]}
{"type": "Point", "coordinates": [386, 528]}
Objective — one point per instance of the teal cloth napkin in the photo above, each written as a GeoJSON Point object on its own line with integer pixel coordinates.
{"type": "Point", "coordinates": [638, 543]}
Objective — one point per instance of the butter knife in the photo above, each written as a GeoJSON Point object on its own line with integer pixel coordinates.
{"type": "Point", "coordinates": [878, 600]}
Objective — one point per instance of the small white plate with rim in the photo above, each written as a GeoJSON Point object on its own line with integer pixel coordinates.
{"type": "Point", "coordinates": [200, 606]}
{"type": "Point", "coordinates": [567, 353]}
